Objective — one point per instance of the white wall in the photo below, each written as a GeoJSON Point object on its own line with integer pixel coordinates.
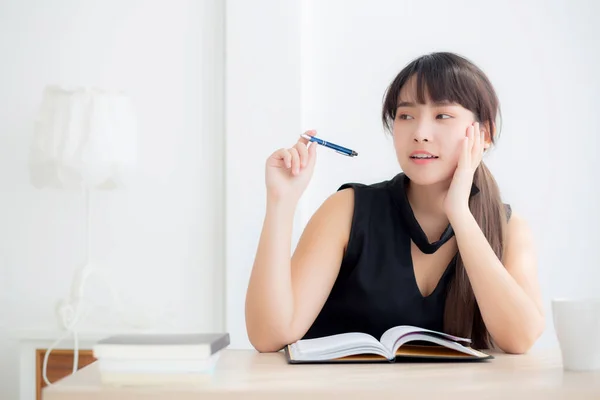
{"type": "Point", "coordinates": [262, 110]}
{"type": "Point", "coordinates": [541, 57]}
{"type": "Point", "coordinates": [163, 237]}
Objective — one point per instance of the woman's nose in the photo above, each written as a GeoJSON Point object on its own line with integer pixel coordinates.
{"type": "Point", "coordinates": [423, 131]}
{"type": "Point", "coordinates": [421, 134]}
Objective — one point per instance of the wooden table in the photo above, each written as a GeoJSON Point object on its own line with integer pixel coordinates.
{"type": "Point", "coordinates": [245, 374]}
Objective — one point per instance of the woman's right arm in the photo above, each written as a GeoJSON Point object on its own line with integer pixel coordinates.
{"type": "Point", "coordinates": [286, 294]}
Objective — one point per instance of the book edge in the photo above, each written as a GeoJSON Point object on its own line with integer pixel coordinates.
{"type": "Point", "coordinates": [466, 358]}
{"type": "Point", "coordinates": [379, 360]}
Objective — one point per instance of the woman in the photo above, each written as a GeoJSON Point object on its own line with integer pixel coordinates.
{"type": "Point", "coordinates": [433, 247]}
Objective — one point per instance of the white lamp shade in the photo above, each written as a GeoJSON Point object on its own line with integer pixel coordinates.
{"type": "Point", "coordinates": [84, 137]}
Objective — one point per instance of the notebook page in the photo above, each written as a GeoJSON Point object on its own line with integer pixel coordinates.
{"type": "Point", "coordinates": [334, 343]}
{"type": "Point", "coordinates": [389, 337]}
{"type": "Point", "coordinates": [437, 340]}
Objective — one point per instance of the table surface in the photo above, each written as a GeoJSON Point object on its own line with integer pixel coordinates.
{"type": "Point", "coordinates": [248, 374]}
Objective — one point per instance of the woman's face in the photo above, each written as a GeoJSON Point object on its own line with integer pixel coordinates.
{"type": "Point", "coordinates": [428, 137]}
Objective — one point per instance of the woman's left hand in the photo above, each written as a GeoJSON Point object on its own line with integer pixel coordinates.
{"type": "Point", "coordinates": [471, 153]}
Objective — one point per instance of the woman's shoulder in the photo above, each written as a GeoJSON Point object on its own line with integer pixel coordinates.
{"type": "Point", "coordinates": [376, 198]}
{"type": "Point", "coordinates": [516, 222]}
{"type": "Point", "coordinates": [381, 186]}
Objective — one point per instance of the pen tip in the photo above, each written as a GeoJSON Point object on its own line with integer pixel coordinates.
{"type": "Point", "coordinates": [354, 154]}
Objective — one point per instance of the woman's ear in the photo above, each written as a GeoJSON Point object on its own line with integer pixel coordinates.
{"type": "Point", "coordinates": [487, 137]}
{"type": "Point", "coordinates": [487, 142]}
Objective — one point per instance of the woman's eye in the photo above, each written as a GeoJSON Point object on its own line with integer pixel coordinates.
{"type": "Point", "coordinates": [404, 116]}
{"type": "Point", "coordinates": [443, 115]}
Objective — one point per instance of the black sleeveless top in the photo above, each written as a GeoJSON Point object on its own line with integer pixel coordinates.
{"type": "Point", "coordinates": [376, 287]}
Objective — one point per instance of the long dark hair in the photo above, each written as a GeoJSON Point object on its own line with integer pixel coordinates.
{"type": "Point", "coordinates": [447, 76]}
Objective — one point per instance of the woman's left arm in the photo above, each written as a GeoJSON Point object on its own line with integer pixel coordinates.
{"type": "Point", "coordinates": [507, 291]}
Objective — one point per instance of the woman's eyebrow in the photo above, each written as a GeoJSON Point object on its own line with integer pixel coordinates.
{"type": "Point", "coordinates": [443, 103]}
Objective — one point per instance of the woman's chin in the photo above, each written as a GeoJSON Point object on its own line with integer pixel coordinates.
{"type": "Point", "coordinates": [425, 175]}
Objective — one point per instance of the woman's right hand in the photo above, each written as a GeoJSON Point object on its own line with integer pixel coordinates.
{"type": "Point", "coordinates": [288, 171]}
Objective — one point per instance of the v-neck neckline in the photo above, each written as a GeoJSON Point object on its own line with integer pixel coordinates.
{"type": "Point", "coordinates": [440, 281]}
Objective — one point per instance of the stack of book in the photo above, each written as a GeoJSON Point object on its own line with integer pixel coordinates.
{"type": "Point", "coordinates": [140, 359]}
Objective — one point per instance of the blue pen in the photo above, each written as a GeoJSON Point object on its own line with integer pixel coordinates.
{"type": "Point", "coordinates": [338, 148]}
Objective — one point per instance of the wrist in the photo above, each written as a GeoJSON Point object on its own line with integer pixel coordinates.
{"type": "Point", "coordinates": [458, 215]}
{"type": "Point", "coordinates": [281, 205]}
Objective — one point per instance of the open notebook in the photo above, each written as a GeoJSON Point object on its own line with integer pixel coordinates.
{"type": "Point", "coordinates": [397, 342]}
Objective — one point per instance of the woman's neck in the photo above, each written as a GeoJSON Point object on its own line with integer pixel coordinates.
{"type": "Point", "coordinates": [427, 198]}
{"type": "Point", "coordinates": [427, 203]}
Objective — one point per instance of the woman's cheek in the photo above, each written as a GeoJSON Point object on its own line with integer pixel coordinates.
{"type": "Point", "coordinates": [455, 149]}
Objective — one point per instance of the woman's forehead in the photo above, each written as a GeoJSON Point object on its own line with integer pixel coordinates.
{"type": "Point", "coordinates": [408, 95]}
{"type": "Point", "coordinates": [409, 92]}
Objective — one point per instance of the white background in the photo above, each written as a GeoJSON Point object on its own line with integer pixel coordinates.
{"type": "Point", "coordinates": [220, 85]}
{"type": "Point", "coordinates": [162, 238]}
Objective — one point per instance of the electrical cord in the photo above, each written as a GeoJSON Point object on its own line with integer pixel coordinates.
{"type": "Point", "coordinates": [71, 314]}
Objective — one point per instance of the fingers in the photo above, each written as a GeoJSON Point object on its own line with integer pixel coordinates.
{"type": "Point", "coordinates": [480, 144]}
{"type": "Point", "coordinates": [476, 141]}
{"type": "Point", "coordinates": [284, 157]}
{"type": "Point", "coordinates": [465, 159]}
{"type": "Point", "coordinates": [477, 145]}
{"type": "Point", "coordinates": [304, 140]}
{"type": "Point", "coordinates": [312, 153]}
{"type": "Point", "coordinates": [295, 160]}
{"type": "Point", "coordinates": [303, 153]}
{"type": "Point", "coordinates": [471, 149]}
